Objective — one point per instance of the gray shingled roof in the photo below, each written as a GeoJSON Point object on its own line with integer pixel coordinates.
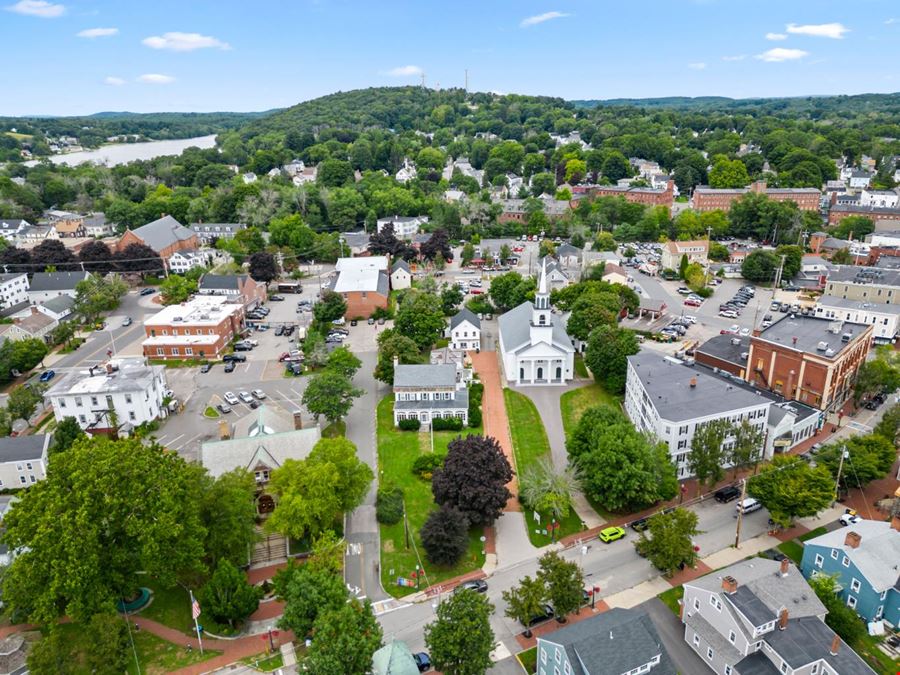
{"type": "Point", "coordinates": [162, 233]}
{"type": "Point", "coordinates": [668, 385]}
{"type": "Point", "coordinates": [400, 264]}
{"type": "Point", "coordinates": [615, 641]}
{"type": "Point", "coordinates": [465, 314]}
{"type": "Point", "coordinates": [59, 304]}
{"type": "Point", "coordinates": [807, 640]}
{"type": "Point", "coordinates": [56, 281]}
{"type": "Point", "coordinates": [878, 553]}
{"type": "Point", "coordinates": [515, 329]}
{"type": "Point", "coordinates": [23, 448]}
{"type": "Point", "coordinates": [441, 375]}
{"type": "Point", "coordinates": [221, 282]}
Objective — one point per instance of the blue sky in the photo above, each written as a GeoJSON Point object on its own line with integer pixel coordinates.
{"type": "Point", "coordinates": [84, 56]}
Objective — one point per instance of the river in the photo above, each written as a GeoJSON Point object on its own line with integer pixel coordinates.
{"type": "Point", "coordinates": [122, 153]}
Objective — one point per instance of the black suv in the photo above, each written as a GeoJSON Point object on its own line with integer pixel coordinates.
{"type": "Point", "coordinates": [238, 358]}
{"type": "Point", "coordinates": [727, 494]}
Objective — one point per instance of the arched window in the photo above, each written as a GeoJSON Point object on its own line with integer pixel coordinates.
{"type": "Point", "coordinates": [558, 373]}
{"type": "Point", "coordinates": [540, 373]}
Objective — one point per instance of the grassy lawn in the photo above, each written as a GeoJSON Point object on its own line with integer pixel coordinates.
{"type": "Point", "coordinates": [528, 659]}
{"type": "Point", "coordinates": [335, 429]}
{"type": "Point", "coordinates": [172, 607]}
{"type": "Point", "coordinates": [580, 369]}
{"type": "Point", "coordinates": [264, 662]}
{"type": "Point", "coordinates": [397, 450]}
{"type": "Point", "coordinates": [671, 597]}
{"type": "Point", "coordinates": [812, 534]}
{"type": "Point", "coordinates": [867, 647]}
{"type": "Point", "coordinates": [530, 443]}
{"type": "Point", "coordinates": [210, 412]}
{"type": "Point", "coordinates": [792, 550]}
{"type": "Point", "coordinates": [574, 403]}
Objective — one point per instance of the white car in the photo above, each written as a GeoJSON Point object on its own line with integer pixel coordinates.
{"type": "Point", "coordinates": [339, 322]}
{"type": "Point", "coordinates": [745, 332]}
{"type": "Point", "coordinates": [245, 397]}
{"type": "Point", "coordinates": [230, 398]}
{"type": "Point", "coordinates": [728, 314]}
{"type": "Point", "coordinates": [250, 341]}
{"type": "Point", "coordinates": [849, 519]}
{"type": "Point", "coordinates": [259, 393]}
{"type": "Point", "coordinates": [689, 318]}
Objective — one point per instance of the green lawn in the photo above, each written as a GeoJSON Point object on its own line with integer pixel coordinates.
{"type": "Point", "coordinates": [528, 659]}
{"type": "Point", "coordinates": [867, 647]}
{"type": "Point", "coordinates": [396, 452]}
{"type": "Point", "coordinates": [530, 443]}
{"type": "Point", "coordinates": [573, 403]}
{"type": "Point", "coordinates": [210, 412]}
{"type": "Point", "coordinates": [812, 534]}
{"type": "Point", "coordinates": [671, 597]}
{"type": "Point", "coordinates": [335, 429]}
{"type": "Point", "coordinates": [792, 550]}
{"type": "Point", "coordinates": [172, 607]}
{"type": "Point", "coordinates": [264, 662]}
{"type": "Point", "coordinates": [580, 369]}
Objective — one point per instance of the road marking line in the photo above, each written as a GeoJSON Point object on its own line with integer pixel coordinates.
{"type": "Point", "coordinates": [188, 441]}
{"type": "Point", "coordinates": [174, 439]}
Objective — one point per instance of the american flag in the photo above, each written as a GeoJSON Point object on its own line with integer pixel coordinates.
{"type": "Point", "coordinates": [195, 610]}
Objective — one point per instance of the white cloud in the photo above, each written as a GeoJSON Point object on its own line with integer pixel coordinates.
{"type": "Point", "coordinates": [776, 36]}
{"type": "Point", "coordinates": [41, 8]}
{"type": "Point", "coordinates": [184, 42]}
{"type": "Point", "coordinates": [541, 18]}
{"type": "Point", "coordinates": [781, 54]}
{"type": "Point", "coordinates": [405, 71]}
{"type": "Point", "coordinates": [97, 32]}
{"type": "Point", "coordinates": [697, 66]}
{"type": "Point", "coordinates": [113, 81]}
{"type": "Point", "coordinates": [737, 57]}
{"type": "Point", "coordinates": [156, 78]}
{"type": "Point", "coordinates": [890, 21]}
{"type": "Point", "coordinates": [835, 31]}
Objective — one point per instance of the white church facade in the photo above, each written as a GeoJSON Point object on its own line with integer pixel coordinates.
{"type": "Point", "coordinates": [534, 346]}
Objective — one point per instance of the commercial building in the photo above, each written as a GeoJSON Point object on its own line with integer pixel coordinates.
{"type": "Point", "coordinates": [884, 318]}
{"type": "Point", "coordinates": [620, 641]}
{"type": "Point", "coordinates": [164, 235]}
{"type": "Point", "coordinates": [23, 460]}
{"type": "Point", "coordinates": [727, 352]}
{"type": "Point", "coordinates": [671, 401]}
{"type": "Point", "coordinates": [201, 328]}
{"type": "Point", "coordinates": [874, 213]}
{"type": "Point", "coordinates": [809, 359]}
{"type": "Point", "coordinates": [709, 199]}
{"type": "Point", "coordinates": [697, 251]}
{"type": "Point", "coordinates": [363, 283]}
{"type": "Point", "coordinates": [112, 397]}
{"type": "Point", "coordinates": [239, 288]}
{"type": "Point", "coordinates": [427, 392]}
{"type": "Point", "coordinates": [635, 195]}
{"type": "Point", "coordinates": [863, 558]}
{"type": "Point", "coordinates": [864, 284]}
{"type": "Point", "coordinates": [760, 617]}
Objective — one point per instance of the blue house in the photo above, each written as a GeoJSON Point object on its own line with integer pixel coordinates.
{"type": "Point", "coordinates": [865, 558]}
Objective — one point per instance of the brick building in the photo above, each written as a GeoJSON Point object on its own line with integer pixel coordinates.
{"type": "Point", "coordinates": [709, 199]}
{"type": "Point", "coordinates": [809, 359]}
{"type": "Point", "coordinates": [363, 283]}
{"type": "Point", "coordinates": [635, 195]}
{"type": "Point", "coordinates": [165, 236]}
{"type": "Point", "coordinates": [236, 287]}
{"type": "Point", "coordinates": [201, 328]}
{"type": "Point", "coordinates": [873, 213]}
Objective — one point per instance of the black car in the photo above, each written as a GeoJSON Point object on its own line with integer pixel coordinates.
{"type": "Point", "coordinates": [232, 358]}
{"type": "Point", "coordinates": [727, 494]}
{"type": "Point", "coordinates": [279, 330]}
{"type": "Point", "coordinates": [477, 585]}
{"type": "Point", "coordinates": [872, 404]}
{"type": "Point", "coordinates": [423, 661]}
{"type": "Point", "coordinates": [148, 291]}
{"type": "Point", "coordinates": [229, 366]}
{"type": "Point", "coordinates": [243, 347]}
{"type": "Point", "coordinates": [639, 524]}
{"type": "Point", "coordinates": [545, 614]}
{"type": "Point", "coordinates": [276, 298]}
{"type": "Point", "coordinates": [773, 554]}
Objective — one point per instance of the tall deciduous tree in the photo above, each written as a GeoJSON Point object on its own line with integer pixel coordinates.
{"type": "Point", "coordinates": [511, 290]}
{"type": "Point", "coordinates": [138, 258]}
{"type": "Point", "coordinates": [564, 582]}
{"type": "Point", "coordinates": [228, 597]}
{"type": "Point", "coordinates": [790, 488]}
{"type": "Point", "coordinates": [438, 245]}
{"type": "Point", "coordinates": [445, 536]}
{"type": "Point", "coordinates": [330, 308]}
{"type": "Point", "coordinates": [392, 344]}
{"type": "Point", "coordinates": [307, 592]}
{"type": "Point", "coordinates": [474, 478]}
{"type": "Point", "coordinates": [66, 433]}
{"type": "Point", "coordinates": [421, 318]}
{"type": "Point", "coordinates": [343, 362]}
{"type": "Point", "coordinates": [346, 637]}
{"type": "Point", "coordinates": [869, 458]}
{"type": "Point", "coordinates": [176, 288]}
{"type": "Point", "coordinates": [228, 513]}
{"type": "Point", "coordinates": [263, 267]}
{"type": "Point", "coordinates": [668, 541]}
{"type": "Point", "coordinates": [524, 602]}
{"type": "Point", "coordinates": [707, 456]}
{"type": "Point", "coordinates": [607, 356]}
{"type": "Point", "coordinates": [82, 549]}
{"type": "Point", "coordinates": [96, 257]}
{"type": "Point", "coordinates": [748, 446]}
{"type": "Point", "coordinates": [96, 295]}
{"type": "Point", "coordinates": [331, 395]}
{"type": "Point", "coordinates": [461, 640]}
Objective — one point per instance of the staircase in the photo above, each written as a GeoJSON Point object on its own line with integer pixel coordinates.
{"type": "Point", "coordinates": [268, 550]}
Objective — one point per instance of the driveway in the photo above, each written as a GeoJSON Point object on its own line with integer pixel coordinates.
{"type": "Point", "coordinates": [671, 632]}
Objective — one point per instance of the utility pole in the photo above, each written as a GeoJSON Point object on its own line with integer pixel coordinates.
{"type": "Point", "coordinates": [467, 80]}
{"type": "Point", "coordinates": [837, 482]}
{"type": "Point", "coordinates": [740, 517]}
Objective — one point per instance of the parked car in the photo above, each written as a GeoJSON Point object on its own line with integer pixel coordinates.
{"type": "Point", "coordinates": [850, 518]}
{"type": "Point", "coordinates": [127, 322]}
{"type": "Point", "coordinates": [748, 505]}
{"type": "Point", "coordinates": [246, 397]}
{"type": "Point", "coordinates": [276, 298]}
{"type": "Point", "coordinates": [423, 661]}
{"type": "Point", "coordinates": [477, 585]}
{"type": "Point", "coordinates": [728, 314]}
{"type": "Point", "coordinates": [258, 393]}
{"type": "Point", "coordinates": [640, 524]}
{"type": "Point", "coordinates": [47, 375]}
{"type": "Point", "coordinates": [545, 614]}
{"type": "Point", "coordinates": [279, 330]}
{"type": "Point", "coordinates": [727, 494]}
{"type": "Point", "coordinates": [242, 346]}
{"type": "Point", "coordinates": [223, 408]}
{"type": "Point", "coordinates": [229, 366]}
{"type": "Point", "coordinates": [692, 302]}
{"type": "Point", "coordinates": [230, 398]}
{"type": "Point", "coordinates": [610, 534]}
{"type": "Point", "coordinates": [684, 290]}
{"type": "Point", "coordinates": [148, 291]}
{"type": "Point", "coordinates": [206, 367]}
{"type": "Point", "coordinates": [339, 322]}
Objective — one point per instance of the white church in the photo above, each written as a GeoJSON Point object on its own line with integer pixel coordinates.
{"type": "Point", "coordinates": [534, 345]}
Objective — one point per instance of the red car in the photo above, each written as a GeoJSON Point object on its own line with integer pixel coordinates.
{"type": "Point", "coordinates": [690, 302]}
{"type": "Point", "coordinates": [476, 291]}
{"type": "Point", "coordinates": [284, 357]}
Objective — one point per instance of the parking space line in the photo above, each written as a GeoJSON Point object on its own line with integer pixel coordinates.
{"type": "Point", "coordinates": [171, 442]}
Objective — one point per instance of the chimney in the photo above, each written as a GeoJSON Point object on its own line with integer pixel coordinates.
{"type": "Point", "coordinates": [729, 584]}
{"type": "Point", "coordinates": [783, 619]}
{"type": "Point", "coordinates": [789, 391]}
{"type": "Point", "coordinates": [681, 610]}
{"type": "Point", "coordinates": [109, 368]}
{"type": "Point", "coordinates": [852, 540]}
{"type": "Point", "coordinates": [794, 340]}
{"type": "Point", "coordinates": [895, 523]}
{"type": "Point", "coordinates": [298, 420]}
{"type": "Point", "coordinates": [396, 361]}
{"type": "Point", "coordinates": [693, 383]}
{"type": "Point", "coordinates": [835, 644]}
{"type": "Point", "coordinates": [785, 566]}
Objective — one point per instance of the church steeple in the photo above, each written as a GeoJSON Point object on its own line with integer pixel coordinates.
{"type": "Point", "coordinates": [540, 316]}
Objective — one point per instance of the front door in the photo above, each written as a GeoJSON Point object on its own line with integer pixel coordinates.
{"type": "Point", "coordinates": [540, 373]}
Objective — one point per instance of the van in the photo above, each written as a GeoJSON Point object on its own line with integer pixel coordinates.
{"type": "Point", "coordinates": [749, 505]}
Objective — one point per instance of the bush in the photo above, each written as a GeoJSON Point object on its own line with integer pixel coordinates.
{"type": "Point", "coordinates": [445, 536]}
{"type": "Point", "coordinates": [389, 505]}
{"type": "Point", "coordinates": [409, 425]}
{"type": "Point", "coordinates": [705, 292]}
{"type": "Point", "coordinates": [382, 313]}
{"type": "Point", "coordinates": [447, 424]}
{"type": "Point", "coordinates": [424, 465]}
{"type": "Point", "coordinates": [476, 391]}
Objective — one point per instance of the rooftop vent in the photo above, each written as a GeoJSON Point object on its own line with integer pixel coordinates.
{"type": "Point", "coordinates": [846, 337]}
{"type": "Point", "coordinates": [693, 382]}
{"type": "Point", "coordinates": [735, 341]}
{"type": "Point", "coordinates": [822, 346]}
{"type": "Point", "coordinates": [177, 318]}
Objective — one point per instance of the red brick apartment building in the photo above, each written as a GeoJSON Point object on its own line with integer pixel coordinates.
{"type": "Point", "coordinates": [635, 195]}
{"type": "Point", "coordinates": [165, 236]}
{"type": "Point", "coordinates": [873, 213]}
{"type": "Point", "coordinates": [363, 283]}
{"type": "Point", "coordinates": [809, 359]}
{"type": "Point", "coordinates": [201, 328]}
{"type": "Point", "coordinates": [710, 199]}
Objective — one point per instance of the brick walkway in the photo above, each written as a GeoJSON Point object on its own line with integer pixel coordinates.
{"type": "Point", "coordinates": [553, 625]}
{"type": "Point", "coordinates": [689, 574]}
{"type": "Point", "coordinates": [493, 408]}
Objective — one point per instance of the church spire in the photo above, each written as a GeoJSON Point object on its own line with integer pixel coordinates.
{"type": "Point", "coordinates": [540, 316]}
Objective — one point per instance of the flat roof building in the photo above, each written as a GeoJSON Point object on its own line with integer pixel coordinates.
{"type": "Point", "coordinates": [201, 328]}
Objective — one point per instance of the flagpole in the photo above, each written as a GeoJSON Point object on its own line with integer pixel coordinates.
{"type": "Point", "coordinates": [195, 612]}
